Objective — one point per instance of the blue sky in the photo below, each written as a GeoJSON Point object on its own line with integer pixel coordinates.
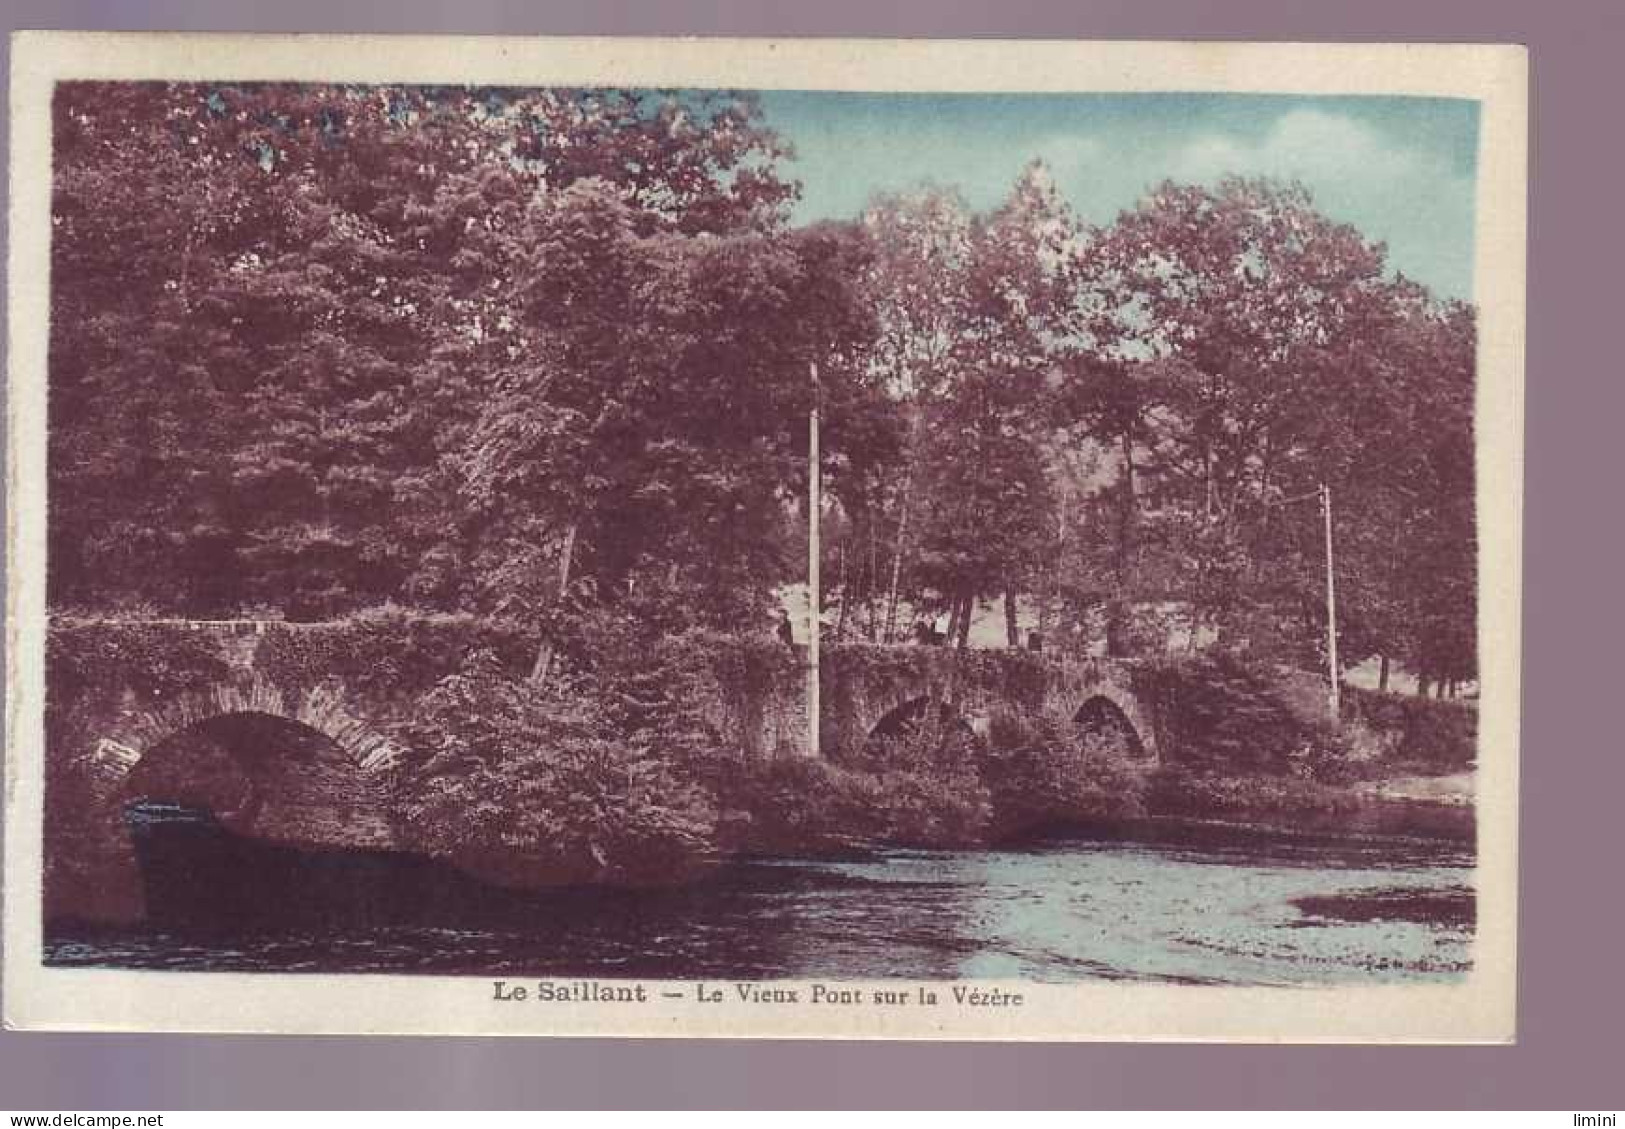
{"type": "Point", "coordinates": [1402, 170]}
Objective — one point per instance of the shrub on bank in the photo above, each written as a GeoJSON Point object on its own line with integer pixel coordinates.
{"type": "Point", "coordinates": [1041, 771]}
{"type": "Point", "coordinates": [909, 793]}
{"type": "Point", "coordinates": [1222, 717]}
{"type": "Point", "coordinates": [931, 789]}
{"type": "Point", "coordinates": [934, 784]}
{"type": "Point", "coordinates": [1200, 793]}
{"type": "Point", "coordinates": [1421, 735]}
{"type": "Point", "coordinates": [527, 788]}
{"type": "Point", "coordinates": [795, 805]}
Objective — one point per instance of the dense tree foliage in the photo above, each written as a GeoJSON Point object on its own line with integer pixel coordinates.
{"type": "Point", "coordinates": [1131, 426]}
{"type": "Point", "coordinates": [533, 353]}
{"type": "Point", "coordinates": [315, 348]}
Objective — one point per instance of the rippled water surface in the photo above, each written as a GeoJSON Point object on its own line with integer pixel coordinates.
{"type": "Point", "coordinates": [1174, 903]}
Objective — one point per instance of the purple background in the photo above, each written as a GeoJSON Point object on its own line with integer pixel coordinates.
{"type": "Point", "coordinates": [1572, 914]}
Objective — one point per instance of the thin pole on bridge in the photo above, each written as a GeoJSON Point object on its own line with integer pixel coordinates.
{"type": "Point", "coordinates": [814, 599]}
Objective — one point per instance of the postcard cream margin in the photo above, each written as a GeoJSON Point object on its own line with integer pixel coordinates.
{"type": "Point", "coordinates": [1481, 1009]}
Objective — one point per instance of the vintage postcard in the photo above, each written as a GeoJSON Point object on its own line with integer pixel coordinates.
{"type": "Point", "coordinates": [740, 538]}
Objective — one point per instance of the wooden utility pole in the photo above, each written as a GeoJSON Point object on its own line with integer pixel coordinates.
{"type": "Point", "coordinates": [814, 599]}
{"type": "Point", "coordinates": [1334, 696]}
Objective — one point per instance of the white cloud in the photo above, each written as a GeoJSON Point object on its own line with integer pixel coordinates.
{"type": "Point", "coordinates": [1318, 148]}
{"type": "Point", "coordinates": [1408, 197]}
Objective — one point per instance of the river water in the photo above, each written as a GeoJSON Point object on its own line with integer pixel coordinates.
{"type": "Point", "coordinates": [1386, 898]}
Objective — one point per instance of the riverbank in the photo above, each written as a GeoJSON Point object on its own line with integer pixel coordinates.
{"type": "Point", "coordinates": [815, 809]}
{"type": "Point", "coordinates": [1458, 789]}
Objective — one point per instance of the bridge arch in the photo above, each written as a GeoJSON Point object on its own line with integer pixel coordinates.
{"type": "Point", "coordinates": [261, 774]}
{"type": "Point", "coordinates": [1105, 705]}
{"type": "Point", "coordinates": [1099, 715]}
{"type": "Point", "coordinates": [907, 715]}
{"type": "Point", "coordinates": [321, 709]}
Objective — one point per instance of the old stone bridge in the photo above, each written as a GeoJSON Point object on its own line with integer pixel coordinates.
{"type": "Point", "coordinates": [292, 732]}
{"type": "Point", "coordinates": [866, 690]}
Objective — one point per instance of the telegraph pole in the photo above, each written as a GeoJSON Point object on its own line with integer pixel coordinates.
{"type": "Point", "coordinates": [1334, 695]}
{"type": "Point", "coordinates": [814, 599]}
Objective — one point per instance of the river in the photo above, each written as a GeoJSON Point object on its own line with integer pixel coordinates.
{"type": "Point", "coordinates": [1386, 898]}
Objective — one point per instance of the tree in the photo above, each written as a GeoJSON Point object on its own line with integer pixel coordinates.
{"type": "Point", "coordinates": [991, 509]}
{"type": "Point", "coordinates": [1237, 323]}
{"type": "Point", "coordinates": [1428, 476]}
{"type": "Point", "coordinates": [915, 282]}
{"type": "Point", "coordinates": [973, 312]}
{"type": "Point", "coordinates": [524, 789]}
{"type": "Point", "coordinates": [141, 506]}
{"type": "Point", "coordinates": [1241, 351]}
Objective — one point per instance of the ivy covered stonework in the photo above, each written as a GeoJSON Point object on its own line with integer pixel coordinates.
{"type": "Point", "coordinates": [94, 667]}
{"type": "Point", "coordinates": [386, 655]}
{"type": "Point", "coordinates": [93, 670]}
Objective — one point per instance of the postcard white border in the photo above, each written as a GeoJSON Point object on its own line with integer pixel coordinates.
{"type": "Point", "coordinates": [1479, 1009]}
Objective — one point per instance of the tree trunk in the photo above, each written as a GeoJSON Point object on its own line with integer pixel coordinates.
{"type": "Point", "coordinates": [1012, 635]}
{"type": "Point", "coordinates": [1046, 606]}
{"type": "Point", "coordinates": [1422, 684]}
{"type": "Point", "coordinates": [846, 597]}
{"type": "Point", "coordinates": [1117, 609]}
{"type": "Point", "coordinates": [897, 554]}
{"type": "Point", "coordinates": [1207, 481]}
{"type": "Point", "coordinates": [964, 621]}
{"type": "Point", "coordinates": [872, 619]}
{"type": "Point", "coordinates": [1382, 673]}
{"type": "Point", "coordinates": [1122, 561]}
{"type": "Point", "coordinates": [544, 657]}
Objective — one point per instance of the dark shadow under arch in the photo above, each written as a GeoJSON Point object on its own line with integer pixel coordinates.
{"type": "Point", "coordinates": [248, 819]}
{"type": "Point", "coordinates": [1099, 719]}
{"type": "Point", "coordinates": [911, 718]}
{"type": "Point", "coordinates": [264, 774]}
{"type": "Point", "coordinates": [222, 762]}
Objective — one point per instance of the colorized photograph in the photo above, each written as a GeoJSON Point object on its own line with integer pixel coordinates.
{"type": "Point", "coordinates": [595, 534]}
